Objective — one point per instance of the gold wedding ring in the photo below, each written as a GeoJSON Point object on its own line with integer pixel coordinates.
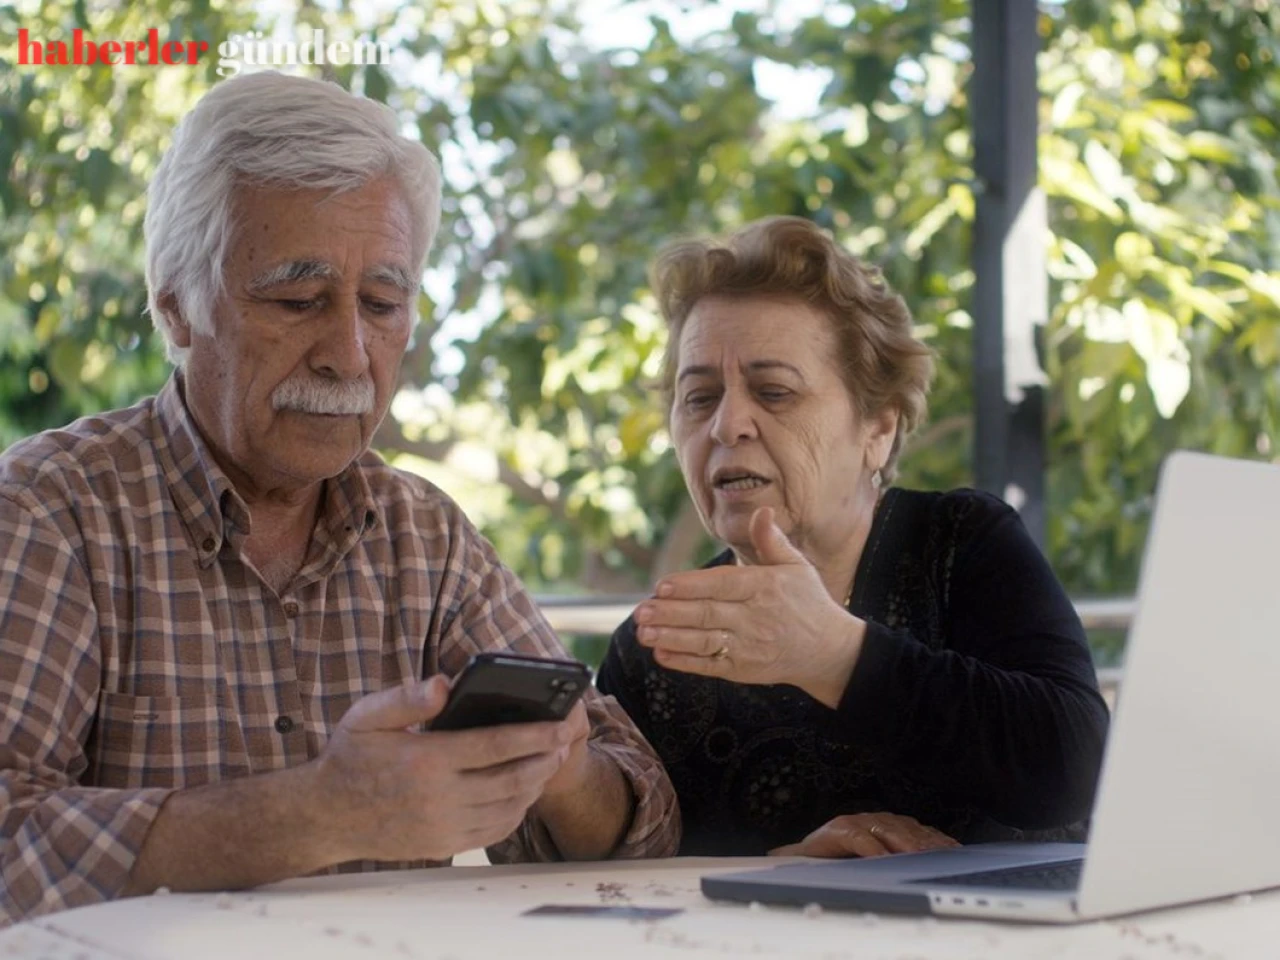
{"type": "Point", "coordinates": [723, 650]}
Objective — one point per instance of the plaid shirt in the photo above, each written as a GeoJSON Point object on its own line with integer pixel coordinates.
{"type": "Point", "coordinates": [140, 653]}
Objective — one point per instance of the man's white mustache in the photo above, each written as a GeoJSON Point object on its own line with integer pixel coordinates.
{"type": "Point", "coordinates": [333, 397]}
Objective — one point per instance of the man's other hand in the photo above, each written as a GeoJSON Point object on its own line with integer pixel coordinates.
{"type": "Point", "coordinates": [572, 775]}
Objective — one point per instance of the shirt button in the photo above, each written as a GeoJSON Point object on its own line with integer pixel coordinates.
{"type": "Point", "coordinates": [291, 608]}
{"type": "Point", "coordinates": [209, 544]}
{"type": "Point", "coordinates": [284, 724]}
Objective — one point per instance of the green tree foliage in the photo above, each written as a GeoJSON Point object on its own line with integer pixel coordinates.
{"type": "Point", "coordinates": [569, 161]}
{"type": "Point", "coordinates": [1160, 158]}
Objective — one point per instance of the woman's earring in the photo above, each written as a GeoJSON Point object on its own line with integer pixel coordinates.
{"type": "Point", "coordinates": [877, 479]}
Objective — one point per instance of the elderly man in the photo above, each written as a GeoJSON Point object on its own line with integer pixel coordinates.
{"type": "Point", "coordinates": [218, 608]}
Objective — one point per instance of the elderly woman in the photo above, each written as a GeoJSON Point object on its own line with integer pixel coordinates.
{"type": "Point", "coordinates": [865, 669]}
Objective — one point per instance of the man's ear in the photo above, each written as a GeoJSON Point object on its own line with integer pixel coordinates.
{"type": "Point", "coordinates": [171, 316]}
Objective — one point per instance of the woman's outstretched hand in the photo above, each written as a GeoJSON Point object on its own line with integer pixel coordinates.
{"type": "Point", "coordinates": [867, 835]}
{"type": "Point", "coordinates": [773, 622]}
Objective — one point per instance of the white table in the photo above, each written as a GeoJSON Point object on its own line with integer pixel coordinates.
{"type": "Point", "coordinates": [474, 913]}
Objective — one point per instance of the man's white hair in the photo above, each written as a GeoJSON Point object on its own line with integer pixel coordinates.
{"type": "Point", "coordinates": [268, 129]}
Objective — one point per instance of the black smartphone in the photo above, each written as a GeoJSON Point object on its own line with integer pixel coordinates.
{"type": "Point", "coordinates": [497, 688]}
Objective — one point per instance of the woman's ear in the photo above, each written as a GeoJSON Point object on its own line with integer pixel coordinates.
{"type": "Point", "coordinates": [171, 317]}
{"type": "Point", "coordinates": [882, 427]}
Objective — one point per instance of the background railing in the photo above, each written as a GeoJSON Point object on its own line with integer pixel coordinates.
{"type": "Point", "coordinates": [599, 615]}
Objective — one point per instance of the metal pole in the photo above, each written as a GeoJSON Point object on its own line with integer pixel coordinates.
{"type": "Point", "coordinates": [1011, 287]}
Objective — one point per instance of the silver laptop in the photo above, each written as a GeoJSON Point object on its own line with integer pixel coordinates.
{"type": "Point", "coordinates": [1187, 803]}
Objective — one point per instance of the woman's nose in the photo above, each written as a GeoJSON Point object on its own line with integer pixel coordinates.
{"type": "Point", "coordinates": [734, 420]}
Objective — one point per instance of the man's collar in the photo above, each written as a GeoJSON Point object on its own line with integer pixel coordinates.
{"type": "Point", "coordinates": [205, 498]}
{"type": "Point", "coordinates": [350, 510]}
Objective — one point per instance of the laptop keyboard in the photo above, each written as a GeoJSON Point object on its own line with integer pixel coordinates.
{"type": "Point", "coordinates": [1064, 875]}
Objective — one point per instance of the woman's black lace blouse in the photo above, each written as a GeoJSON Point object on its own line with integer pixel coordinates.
{"type": "Point", "coordinates": [973, 706]}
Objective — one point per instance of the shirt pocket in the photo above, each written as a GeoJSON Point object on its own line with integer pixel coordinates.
{"type": "Point", "coordinates": [156, 741]}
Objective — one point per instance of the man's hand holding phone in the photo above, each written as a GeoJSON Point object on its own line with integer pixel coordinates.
{"type": "Point", "coordinates": [508, 687]}
{"type": "Point", "coordinates": [392, 794]}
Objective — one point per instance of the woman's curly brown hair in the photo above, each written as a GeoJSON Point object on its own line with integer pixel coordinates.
{"type": "Point", "coordinates": [790, 258]}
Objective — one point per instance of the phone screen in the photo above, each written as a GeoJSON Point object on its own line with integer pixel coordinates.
{"type": "Point", "coordinates": [501, 688]}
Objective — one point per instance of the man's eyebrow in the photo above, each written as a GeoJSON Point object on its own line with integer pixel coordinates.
{"type": "Point", "coordinates": [706, 370]}
{"type": "Point", "coordinates": [295, 271]}
{"type": "Point", "coordinates": [391, 275]}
